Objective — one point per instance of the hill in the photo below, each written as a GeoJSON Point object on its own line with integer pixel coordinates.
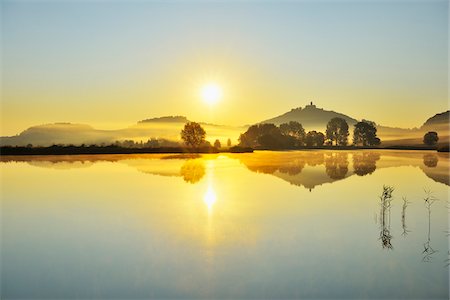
{"type": "Point", "coordinates": [437, 121]}
{"type": "Point", "coordinates": [311, 117]}
{"type": "Point", "coordinates": [168, 119]}
{"type": "Point", "coordinates": [314, 118]}
{"type": "Point", "coordinates": [167, 128]}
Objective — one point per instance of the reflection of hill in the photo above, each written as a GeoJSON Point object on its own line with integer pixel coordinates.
{"type": "Point", "coordinates": [312, 168]}
{"type": "Point", "coordinates": [438, 171]}
{"type": "Point", "coordinates": [189, 166]}
{"type": "Point", "coordinates": [302, 168]}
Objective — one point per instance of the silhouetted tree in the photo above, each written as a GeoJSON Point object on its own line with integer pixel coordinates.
{"type": "Point", "coordinates": [267, 136]}
{"type": "Point", "coordinates": [217, 144]}
{"type": "Point", "coordinates": [430, 138]}
{"type": "Point", "coordinates": [365, 133]}
{"type": "Point", "coordinates": [250, 137]}
{"type": "Point", "coordinates": [294, 129]}
{"type": "Point", "coordinates": [229, 143]}
{"type": "Point", "coordinates": [314, 138]}
{"type": "Point", "coordinates": [337, 131]}
{"type": "Point", "coordinates": [193, 134]}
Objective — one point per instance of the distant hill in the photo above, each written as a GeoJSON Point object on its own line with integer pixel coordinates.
{"type": "Point", "coordinates": [169, 119]}
{"type": "Point", "coordinates": [58, 133]}
{"type": "Point", "coordinates": [438, 120]}
{"type": "Point", "coordinates": [169, 127]}
{"type": "Point", "coordinates": [160, 128]}
{"type": "Point", "coordinates": [310, 117]}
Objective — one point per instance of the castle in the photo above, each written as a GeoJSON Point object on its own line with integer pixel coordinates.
{"type": "Point", "coordinates": [311, 105]}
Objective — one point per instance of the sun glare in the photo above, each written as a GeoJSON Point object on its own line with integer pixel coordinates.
{"type": "Point", "coordinates": [210, 198]}
{"type": "Point", "coordinates": [211, 93]}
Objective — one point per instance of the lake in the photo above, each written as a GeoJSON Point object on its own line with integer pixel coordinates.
{"type": "Point", "coordinates": [300, 224]}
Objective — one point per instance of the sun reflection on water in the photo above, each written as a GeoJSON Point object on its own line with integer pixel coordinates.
{"type": "Point", "coordinates": [210, 198]}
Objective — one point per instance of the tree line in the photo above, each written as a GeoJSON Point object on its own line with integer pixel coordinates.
{"type": "Point", "coordinates": [289, 135]}
{"type": "Point", "coordinates": [292, 135]}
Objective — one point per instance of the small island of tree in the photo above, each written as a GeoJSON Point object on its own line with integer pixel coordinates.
{"type": "Point", "coordinates": [365, 134]}
{"type": "Point", "coordinates": [193, 134]}
{"type": "Point", "coordinates": [430, 138]}
{"type": "Point", "coordinates": [337, 132]}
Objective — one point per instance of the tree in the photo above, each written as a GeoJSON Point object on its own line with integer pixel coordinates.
{"type": "Point", "coordinates": [430, 138]}
{"type": "Point", "coordinates": [217, 144]}
{"type": "Point", "coordinates": [365, 134]}
{"type": "Point", "coordinates": [266, 136]}
{"type": "Point", "coordinates": [193, 134]}
{"type": "Point", "coordinates": [294, 129]}
{"type": "Point", "coordinates": [229, 142]}
{"type": "Point", "coordinates": [314, 139]}
{"type": "Point", "coordinates": [337, 131]}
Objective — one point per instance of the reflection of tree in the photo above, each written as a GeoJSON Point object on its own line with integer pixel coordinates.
{"type": "Point", "coordinates": [430, 160]}
{"type": "Point", "coordinates": [365, 162]}
{"type": "Point", "coordinates": [385, 217]}
{"type": "Point", "coordinates": [278, 163]}
{"type": "Point", "coordinates": [428, 250]}
{"type": "Point", "coordinates": [315, 159]}
{"type": "Point", "coordinates": [292, 168]}
{"type": "Point", "coordinates": [336, 165]}
{"type": "Point", "coordinates": [404, 227]}
{"type": "Point", "coordinates": [192, 171]}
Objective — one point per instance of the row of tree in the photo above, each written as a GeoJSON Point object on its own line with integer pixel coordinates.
{"type": "Point", "coordinates": [292, 135]}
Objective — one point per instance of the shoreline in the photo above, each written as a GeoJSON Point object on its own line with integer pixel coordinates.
{"type": "Point", "coordinates": [74, 150]}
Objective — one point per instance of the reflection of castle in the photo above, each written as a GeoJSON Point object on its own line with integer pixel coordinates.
{"type": "Point", "coordinates": [312, 168]}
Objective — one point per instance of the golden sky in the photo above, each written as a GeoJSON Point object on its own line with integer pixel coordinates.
{"type": "Point", "coordinates": [110, 64]}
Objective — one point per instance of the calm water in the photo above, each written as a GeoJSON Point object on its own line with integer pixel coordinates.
{"type": "Point", "coordinates": [262, 225]}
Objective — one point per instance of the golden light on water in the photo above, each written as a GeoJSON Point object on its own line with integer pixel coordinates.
{"type": "Point", "coordinates": [210, 198]}
{"type": "Point", "coordinates": [211, 93]}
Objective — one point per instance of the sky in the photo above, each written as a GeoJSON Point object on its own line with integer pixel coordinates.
{"type": "Point", "coordinates": [112, 63]}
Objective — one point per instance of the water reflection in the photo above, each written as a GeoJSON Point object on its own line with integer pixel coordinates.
{"type": "Point", "coordinates": [428, 250]}
{"type": "Point", "coordinates": [365, 162]}
{"type": "Point", "coordinates": [193, 170]}
{"type": "Point", "coordinates": [385, 217]}
{"type": "Point", "coordinates": [210, 198]}
{"type": "Point", "coordinates": [308, 169]}
{"type": "Point", "coordinates": [430, 160]}
{"type": "Point", "coordinates": [336, 165]}
{"type": "Point", "coordinates": [215, 221]}
{"type": "Point", "coordinates": [404, 227]}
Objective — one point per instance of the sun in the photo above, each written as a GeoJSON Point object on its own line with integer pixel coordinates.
{"type": "Point", "coordinates": [211, 93]}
